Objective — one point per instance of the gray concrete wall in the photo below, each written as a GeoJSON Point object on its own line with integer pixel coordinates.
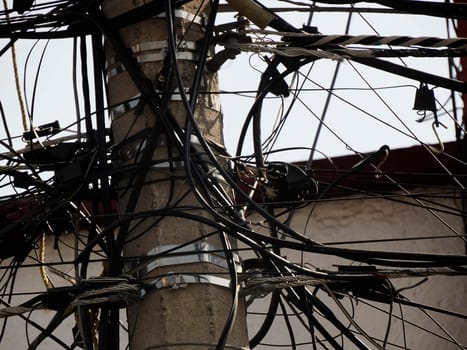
{"type": "Point", "coordinates": [332, 221]}
{"type": "Point", "coordinates": [355, 218]}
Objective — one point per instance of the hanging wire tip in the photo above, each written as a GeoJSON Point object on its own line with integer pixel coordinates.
{"type": "Point", "coordinates": [383, 153]}
{"type": "Point", "coordinates": [434, 126]}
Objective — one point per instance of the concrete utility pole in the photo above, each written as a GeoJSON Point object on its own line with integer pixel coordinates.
{"type": "Point", "coordinates": [187, 309]}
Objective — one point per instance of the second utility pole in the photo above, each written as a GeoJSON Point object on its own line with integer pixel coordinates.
{"type": "Point", "coordinates": [190, 299]}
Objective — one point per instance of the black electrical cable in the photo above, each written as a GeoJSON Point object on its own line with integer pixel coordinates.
{"type": "Point", "coordinates": [328, 100]}
{"type": "Point", "coordinates": [230, 181]}
{"type": "Point", "coordinates": [145, 86]}
{"type": "Point", "coordinates": [379, 257]}
{"type": "Point", "coordinates": [189, 106]}
{"type": "Point", "coordinates": [208, 188]}
{"type": "Point", "coordinates": [5, 125]}
{"type": "Point", "coordinates": [267, 82]}
{"type": "Point", "coordinates": [27, 27]}
{"type": "Point", "coordinates": [55, 322]}
{"type": "Point", "coordinates": [288, 325]}
{"type": "Point", "coordinates": [274, 302]}
{"type": "Point", "coordinates": [331, 317]}
{"type": "Point", "coordinates": [34, 90]}
{"type": "Point", "coordinates": [140, 13]}
{"type": "Point", "coordinates": [358, 255]}
{"type": "Point", "coordinates": [8, 46]}
{"type": "Point", "coordinates": [411, 73]}
{"type": "Point", "coordinates": [270, 140]}
{"type": "Point", "coordinates": [12, 276]}
{"type": "Point", "coordinates": [430, 8]}
{"type": "Point", "coordinates": [109, 314]}
{"type": "Point", "coordinates": [398, 258]}
{"type": "Point", "coordinates": [294, 298]}
{"type": "Point", "coordinates": [268, 79]}
{"type": "Point", "coordinates": [235, 292]}
{"type": "Point", "coordinates": [312, 328]}
{"type": "Point", "coordinates": [252, 114]}
{"type": "Point", "coordinates": [108, 326]}
{"type": "Point", "coordinates": [85, 89]}
{"type": "Point", "coordinates": [269, 319]}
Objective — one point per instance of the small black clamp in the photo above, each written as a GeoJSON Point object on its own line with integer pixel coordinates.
{"type": "Point", "coordinates": [230, 35]}
{"type": "Point", "coordinates": [425, 101]}
{"type": "Point", "coordinates": [229, 53]}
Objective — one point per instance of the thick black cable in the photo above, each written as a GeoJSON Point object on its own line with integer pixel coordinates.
{"type": "Point", "coordinates": [273, 303]}
{"type": "Point", "coordinates": [5, 125]}
{"type": "Point", "coordinates": [296, 235]}
{"type": "Point", "coordinates": [108, 325]}
{"type": "Point", "coordinates": [253, 113]}
{"type": "Point", "coordinates": [330, 316]}
{"type": "Point", "coordinates": [34, 90]}
{"type": "Point", "coordinates": [269, 319]}
{"type": "Point", "coordinates": [55, 322]}
{"type": "Point", "coordinates": [12, 276]}
{"type": "Point", "coordinates": [294, 298]}
{"type": "Point", "coordinates": [85, 89]}
{"type": "Point", "coordinates": [8, 46]}
{"type": "Point", "coordinates": [190, 107]}
{"type": "Point", "coordinates": [414, 74]}
{"type": "Point", "coordinates": [430, 8]}
{"type": "Point", "coordinates": [153, 101]}
{"type": "Point", "coordinates": [288, 325]}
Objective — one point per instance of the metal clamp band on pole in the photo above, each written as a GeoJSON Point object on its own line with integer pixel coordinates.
{"type": "Point", "coordinates": [199, 252]}
{"type": "Point", "coordinates": [180, 280]}
{"type": "Point", "coordinates": [120, 109]}
{"type": "Point", "coordinates": [151, 57]}
{"type": "Point", "coordinates": [181, 14]}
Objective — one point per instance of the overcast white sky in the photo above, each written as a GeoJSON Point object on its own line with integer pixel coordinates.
{"type": "Point", "coordinates": [360, 131]}
{"type": "Point", "coordinates": [54, 94]}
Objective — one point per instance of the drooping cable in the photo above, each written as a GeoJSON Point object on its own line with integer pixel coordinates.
{"type": "Point", "coordinates": [19, 94]}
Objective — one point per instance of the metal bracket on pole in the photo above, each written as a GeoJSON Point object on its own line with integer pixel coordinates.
{"type": "Point", "coordinates": [153, 51]}
{"type": "Point", "coordinates": [170, 255]}
{"type": "Point", "coordinates": [182, 280]}
{"type": "Point", "coordinates": [189, 17]}
{"type": "Point", "coordinates": [120, 109]}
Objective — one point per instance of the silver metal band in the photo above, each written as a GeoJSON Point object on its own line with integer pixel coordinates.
{"type": "Point", "coordinates": [199, 252]}
{"type": "Point", "coordinates": [181, 14]}
{"type": "Point", "coordinates": [118, 110]}
{"type": "Point", "coordinates": [122, 108]}
{"type": "Point", "coordinates": [163, 45]}
{"type": "Point", "coordinates": [152, 57]}
{"type": "Point", "coordinates": [182, 280]}
{"type": "Point", "coordinates": [144, 53]}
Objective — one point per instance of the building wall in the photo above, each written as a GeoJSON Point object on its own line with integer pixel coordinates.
{"type": "Point", "coordinates": [345, 219]}
{"type": "Point", "coordinates": [354, 218]}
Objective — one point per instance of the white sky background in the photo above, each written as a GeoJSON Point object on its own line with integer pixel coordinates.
{"type": "Point", "coordinates": [54, 94]}
{"type": "Point", "coordinates": [359, 131]}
